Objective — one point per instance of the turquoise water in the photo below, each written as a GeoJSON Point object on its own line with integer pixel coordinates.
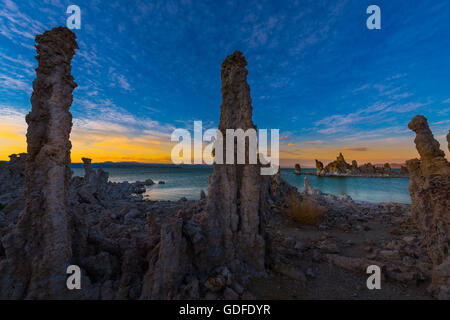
{"type": "Point", "coordinates": [361, 189]}
{"type": "Point", "coordinates": [188, 182]}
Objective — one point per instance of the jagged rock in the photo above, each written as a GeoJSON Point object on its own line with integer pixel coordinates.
{"type": "Point", "coordinates": [14, 169]}
{"type": "Point", "coordinates": [340, 167]}
{"type": "Point", "coordinates": [404, 170]}
{"type": "Point", "coordinates": [368, 168]}
{"type": "Point", "coordinates": [328, 247]}
{"type": "Point", "coordinates": [340, 158]}
{"type": "Point", "coordinates": [88, 171]}
{"type": "Point", "coordinates": [230, 294]}
{"type": "Point", "coordinates": [102, 265]}
{"type": "Point", "coordinates": [39, 249]}
{"type": "Point", "coordinates": [308, 189]}
{"type": "Point", "coordinates": [149, 182]}
{"type": "Point", "coordinates": [429, 188]}
{"type": "Point", "coordinates": [202, 195]}
{"type": "Point", "coordinates": [441, 280]}
{"type": "Point", "coordinates": [167, 263]}
{"type": "Point", "coordinates": [235, 204]}
{"type": "Point", "coordinates": [289, 271]}
{"type": "Point", "coordinates": [237, 287]}
{"type": "Point", "coordinates": [11, 188]}
{"type": "Point", "coordinates": [220, 278]}
{"type": "Point", "coordinates": [281, 193]}
{"type": "Point", "coordinates": [426, 145]}
{"type": "Point", "coordinates": [247, 295]}
{"type": "Point", "coordinates": [319, 166]}
{"type": "Point", "coordinates": [351, 264]}
{"type": "Point", "coordinates": [132, 214]}
{"type": "Point", "coordinates": [12, 173]}
{"type": "Point", "coordinates": [95, 187]}
{"type": "Point", "coordinates": [138, 189]}
{"type": "Point", "coordinates": [448, 139]}
{"type": "Point", "coordinates": [298, 169]}
{"type": "Point", "coordinates": [107, 290]}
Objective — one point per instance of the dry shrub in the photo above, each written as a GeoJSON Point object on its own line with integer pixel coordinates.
{"type": "Point", "coordinates": [306, 211]}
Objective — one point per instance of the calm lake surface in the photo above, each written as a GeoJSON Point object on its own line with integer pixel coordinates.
{"type": "Point", "coordinates": [188, 182]}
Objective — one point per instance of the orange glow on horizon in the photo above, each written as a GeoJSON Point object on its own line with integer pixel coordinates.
{"type": "Point", "coordinates": [117, 147]}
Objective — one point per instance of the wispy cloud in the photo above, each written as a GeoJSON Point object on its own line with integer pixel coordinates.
{"type": "Point", "coordinates": [10, 5]}
{"type": "Point", "coordinates": [314, 142]}
{"type": "Point", "coordinates": [440, 122]}
{"type": "Point", "coordinates": [396, 76]}
{"type": "Point", "coordinates": [103, 116]}
{"type": "Point", "coordinates": [119, 80]}
{"type": "Point", "coordinates": [18, 24]}
{"type": "Point", "coordinates": [402, 95]}
{"type": "Point", "coordinates": [355, 149]}
{"type": "Point", "coordinates": [17, 61]}
{"type": "Point", "coordinates": [403, 108]}
{"type": "Point", "coordinates": [12, 115]}
{"type": "Point", "coordinates": [377, 113]}
{"type": "Point", "coordinates": [123, 83]}
{"type": "Point", "coordinates": [7, 82]}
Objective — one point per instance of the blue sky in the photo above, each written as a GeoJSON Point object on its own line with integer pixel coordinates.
{"type": "Point", "coordinates": [315, 71]}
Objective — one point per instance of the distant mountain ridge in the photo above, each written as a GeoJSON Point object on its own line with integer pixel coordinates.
{"type": "Point", "coordinates": [125, 164]}
{"type": "Point", "coordinates": [393, 165]}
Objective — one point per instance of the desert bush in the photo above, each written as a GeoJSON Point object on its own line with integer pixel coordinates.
{"type": "Point", "coordinates": [306, 211]}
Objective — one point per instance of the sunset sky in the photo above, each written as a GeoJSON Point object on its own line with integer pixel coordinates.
{"type": "Point", "coordinates": [316, 73]}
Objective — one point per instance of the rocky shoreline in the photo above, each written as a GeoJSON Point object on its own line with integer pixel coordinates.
{"type": "Point", "coordinates": [251, 237]}
{"type": "Point", "coordinates": [350, 175]}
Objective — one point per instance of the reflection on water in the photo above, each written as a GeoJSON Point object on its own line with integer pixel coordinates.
{"type": "Point", "coordinates": [188, 182]}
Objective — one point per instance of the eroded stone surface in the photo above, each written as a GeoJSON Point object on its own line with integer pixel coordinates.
{"type": "Point", "coordinates": [235, 202]}
{"type": "Point", "coordinates": [319, 166]}
{"type": "Point", "coordinates": [40, 248]}
{"type": "Point", "coordinates": [430, 193]}
{"type": "Point", "coordinates": [12, 198]}
{"type": "Point", "coordinates": [298, 169]}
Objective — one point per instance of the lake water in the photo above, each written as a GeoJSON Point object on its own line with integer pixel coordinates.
{"type": "Point", "coordinates": [188, 182]}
